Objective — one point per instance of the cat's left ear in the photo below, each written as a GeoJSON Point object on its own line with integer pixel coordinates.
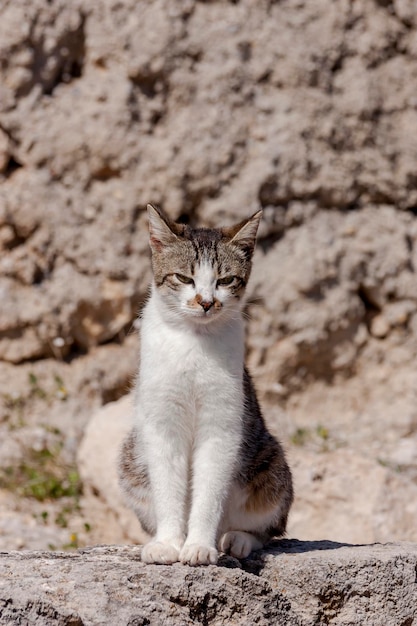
{"type": "Point", "coordinates": [244, 234]}
{"type": "Point", "coordinates": [160, 229]}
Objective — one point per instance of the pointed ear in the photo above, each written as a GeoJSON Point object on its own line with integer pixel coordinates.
{"type": "Point", "coordinates": [244, 234]}
{"type": "Point", "coordinates": [160, 233]}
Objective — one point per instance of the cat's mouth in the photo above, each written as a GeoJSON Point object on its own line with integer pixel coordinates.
{"type": "Point", "coordinates": [204, 309]}
{"type": "Point", "coordinates": [204, 313]}
{"type": "Point", "coordinates": [204, 317]}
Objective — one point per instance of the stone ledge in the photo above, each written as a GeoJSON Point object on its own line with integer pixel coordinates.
{"type": "Point", "coordinates": [294, 583]}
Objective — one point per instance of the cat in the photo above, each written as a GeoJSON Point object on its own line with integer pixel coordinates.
{"type": "Point", "coordinates": [199, 467]}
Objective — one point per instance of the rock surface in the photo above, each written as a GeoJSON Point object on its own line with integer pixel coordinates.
{"type": "Point", "coordinates": [212, 110]}
{"type": "Point", "coordinates": [291, 584]}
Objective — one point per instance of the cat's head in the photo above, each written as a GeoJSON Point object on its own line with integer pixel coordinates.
{"type": "Point", "coordinates": [201, 273]}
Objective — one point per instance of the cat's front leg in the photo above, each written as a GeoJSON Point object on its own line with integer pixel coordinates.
{"type": "Point", "coordinates": [167, 461]}
{"type": "Point", "coordinates": [161, 552]}
{"type": "Point", "coordinates": [210, 487]}
{"type": "Point", "coordinates": [198, 554]}
{"type": "Point", "coordinates": [213, 466]}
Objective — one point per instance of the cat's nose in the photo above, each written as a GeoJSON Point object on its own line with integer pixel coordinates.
{"type": "Point", "coordinates": [206, 304]}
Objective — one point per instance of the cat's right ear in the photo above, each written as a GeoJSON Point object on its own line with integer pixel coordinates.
{"type": "Point", "coordinates": [160, 233]}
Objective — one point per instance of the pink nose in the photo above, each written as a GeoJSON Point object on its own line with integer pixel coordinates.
{"type": "Point", "coordinates": [206, 304]}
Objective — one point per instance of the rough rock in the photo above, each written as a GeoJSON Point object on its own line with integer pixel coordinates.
{"type": "Point", "coordinates": [44, 408]}
{"type": "Point", "coordinates": [293, 583]}
{"type": "Point", "coordinates": [345, 496]}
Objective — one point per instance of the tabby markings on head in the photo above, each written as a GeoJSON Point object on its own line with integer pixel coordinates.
{"type": "Point", "coordinates": [201, 272]}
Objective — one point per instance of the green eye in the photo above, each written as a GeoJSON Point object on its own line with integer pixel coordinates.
{"type": "Point", "coordinates": [227, 280]}
{"type": "Point", "coordinates": [184, 279]}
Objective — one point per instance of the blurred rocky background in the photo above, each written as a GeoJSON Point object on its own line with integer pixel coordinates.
{"type": "Point", "coordinates": [209, 110]}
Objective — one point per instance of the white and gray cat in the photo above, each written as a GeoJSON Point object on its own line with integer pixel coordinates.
{"type": "Point", "coordinates": [199, 467]}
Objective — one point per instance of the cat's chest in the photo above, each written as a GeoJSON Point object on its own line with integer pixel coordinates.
{"type": "Point", "coordinates": [175, 352]}
{"type": "Point", "coordinates": [186, 356]}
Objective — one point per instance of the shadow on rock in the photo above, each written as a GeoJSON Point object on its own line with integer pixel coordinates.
{"type": "Point", "coordinates": [255, 563]}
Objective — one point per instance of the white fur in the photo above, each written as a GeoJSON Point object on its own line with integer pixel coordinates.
{"type": "Point", "coordinates": [236, 515]}
{"type": "Point", "coordinates": [188, 413]}
{"type": "Point", "coordinates": [239, 543]}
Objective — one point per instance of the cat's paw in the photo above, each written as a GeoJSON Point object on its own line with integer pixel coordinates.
{"type": "Point", "coordinates": [161, 552]}
{"type": "Point", "coordinates": [239, 544]}
{"type": "Point", "coordinates": [196, 554]}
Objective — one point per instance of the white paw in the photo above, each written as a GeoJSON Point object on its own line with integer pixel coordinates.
{"type": "Point", "coordinates": [196, 554]}
{"type": "Point", "coordinates": [239, 544]}
{"type": "Point", "coordinates": [162, 552]}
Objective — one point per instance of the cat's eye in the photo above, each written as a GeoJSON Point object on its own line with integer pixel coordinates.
{"type": "Point", "coordinates": [223, 282]}
{"type": "Point", "coordinates": [184, 279]}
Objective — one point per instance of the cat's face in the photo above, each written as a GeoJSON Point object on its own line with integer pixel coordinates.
{"type": "Point", "coordinates": [201, 273]}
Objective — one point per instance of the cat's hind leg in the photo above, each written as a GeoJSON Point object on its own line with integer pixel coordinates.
{"type": "Point", "coordinates": [244, 530]}
{"type": "Point", "coordinates": [239, 543]}
{"type": "Point", "coordinates": [258, 504]}
{"type": "Point", "coordinates": [134, 483]}
{"type": "Point", "coordinates": [241, 530]}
